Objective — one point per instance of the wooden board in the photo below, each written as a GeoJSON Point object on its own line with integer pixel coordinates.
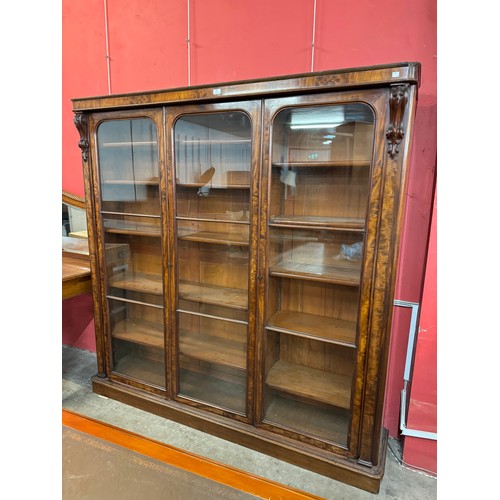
{"type": "Point", "coordinates": [139, 332]}
{"type": "Point", "coordinates": [137, 469]}
{"type": "Point", "coordinates": [226, 238]}
{"type": "Point", "coordinates": [229, 297]}
{"type": "Point", "coordinates": [213, 349]}
{"type": "Point", "coordinates": [76, 278]}
{"type": "Point", "coordinates": [213, 390]}
{"type": "Point", "coordinates": [142, 369]}
{"type": "Point", "coordinates": [312, 325]}
{"type": "Point", "coordinates": [334, 163]}
{"type": "Point", "coordinates": [128, 227]}
{"type": "Point", "coordinates": [314, 420]}
{"type": "Point", "coordinates": [75, 245]}
{"type": "Point", "coordinates": [311, 383]}
{"type": "Point", "coordinates": [350, 223]}
{"type": "Point", "coordinates": [146, 283]}
{"type": "Point", "coordinates": [213, 186]}
{"type": "Point", "coordinates": [135, 182]}
{"type": "Point", "coordinates": [317, 272]}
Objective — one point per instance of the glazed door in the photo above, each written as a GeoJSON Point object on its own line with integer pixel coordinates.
{"type": "Point", "coordinates": [129, 152]}
{"type": "Point", "coordinates": [213, 167]}
{"type": "Point", "coordinates": [317, 177]}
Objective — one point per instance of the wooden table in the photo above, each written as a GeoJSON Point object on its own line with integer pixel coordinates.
{"type": "Point", "coordinates": [76, 278]}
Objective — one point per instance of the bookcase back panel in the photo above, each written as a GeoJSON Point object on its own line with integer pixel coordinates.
{"type": "Point", "coordinates": [206, 265]}
{"type": "Point", "coordinates": [326, 300]}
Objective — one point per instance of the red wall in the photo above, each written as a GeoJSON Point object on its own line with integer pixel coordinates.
{"type": "Point", "coordinates": [233, 40]}
{"type": "Point", "coordinates": [422, 410]}
{"type": "Point", "coordinates": [78, 322]}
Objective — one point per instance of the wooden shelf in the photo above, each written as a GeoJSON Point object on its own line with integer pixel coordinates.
{"type": "Point", "coordinates": [213, 141]}
{"type": "Point", "coordinates": [212, 390]}
{"type": "Point", "coordinates": [145, 370]}
{"type": "Point", "coordinates": [233, 298]}
{"type": "Point", "coordinates": [316, 272]}
{"type": "Point", "coordinates": [137, 282]}
{"type": "Point", "coordinates": [212, 186]}
{"type": "Point", "coordinates": [122, 144]}
{"type": "Point", "coordinates": [140, 332]}
{"type": "Point", "coordinates": [135, 228]}
{"type": "Point", "coordinates": [331, 330]}
{"type": "Point", "coordinates": [310, 383]}
{"type": "Point", "coordinates": [213, 349]}
{"type": "Point", "coordinates": [223, 218]}
{"type": "Point", "coordinates": [334, 163]}
{"type": "Point", "coordinates": [130, 182]}
{"type": "Point", "coordinates": [331, 424]}
{"type": "Point", "coordinates": [216, 237]}
{"type": "Point", "coordinates": [340, 223]}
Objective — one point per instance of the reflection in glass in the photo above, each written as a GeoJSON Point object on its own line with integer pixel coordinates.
{"type": "Point", "coordinates": [135, 298]}
{"type": "Point", "coordinates": [318, 254]}
{"type": "Point", "coordinates": [213, 359]}
{"type": "Point", "coordinates": [213, 150]}
{"type": "Point", "coordinates": [322, 153]}
{"type": "Point", "coordinates": [138, 340]}
{"type": "Point", "coordinates": [128, 165]}
{"type": "Point", "coordinates": [319, 188]}
{"type": "Point", "coordinates": [212, 173]}
{"type": "Point", "coordinates": [74, 221]}
{"type": "Point", "coordinates": [131, 222]}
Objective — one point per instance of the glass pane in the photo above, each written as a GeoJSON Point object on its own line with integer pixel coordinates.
{"type": "Point", "coordinates": [135, 299]}
{"type": "Point", "coordinates": [322, 153]}
{"type": "Point", "coordinates": [131, 224]}
{"type": "Point", "coordinates": [317, 254]}
{"type": "Point", "coordinates": [128, 166]}
{"type": "Point", "coordinates": [129, 175]}
{"type": "Point", "coordinates": [74, 221]}
{"type": "Point", "coordinates": [213, 150]}
{"type": "Point", "coordinates": [213, 203]}
{"type": "Point", "coordinates": [312, 378]}
{"type": "Point", "coordinates": [213, 360]}
{"type": "Point", "coordinates": [212, 172]}
{"type": "Point", "coordinates": [313, 309]}
{"type": "Point", "coordinates": [226, 234]}
{"type": "Point", "coordinates": [318, 199]}
{"type": "Point", "coordinates": [138, 341]}
{"type": "Point", "coordinates": [213, 274]}
{"type": "Point", "coordinates": [310, 356]}
{"type": "Point", "coordinates": [134, 263]}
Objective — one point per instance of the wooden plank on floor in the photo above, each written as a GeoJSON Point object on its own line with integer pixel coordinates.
{"type": "Point", "coordinates": [185, 460]}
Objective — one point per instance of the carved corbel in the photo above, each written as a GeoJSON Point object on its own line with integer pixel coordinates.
{"type": "Point", "coordinates": [397, 106]}
{"type": "Point", "coordinates": [82, 124]}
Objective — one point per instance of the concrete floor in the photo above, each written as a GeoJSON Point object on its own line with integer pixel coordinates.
{"type": "Point", "coordinates": [79, 366]}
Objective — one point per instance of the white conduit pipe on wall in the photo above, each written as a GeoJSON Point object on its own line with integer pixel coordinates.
{"type": "Point", "coordinates": [108, 59]}
{"type": "Point", "coordinates": [405, 431]}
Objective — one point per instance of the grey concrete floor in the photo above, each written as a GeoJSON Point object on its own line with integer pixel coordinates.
{"type": "Point", "coordinates": [79, 366]}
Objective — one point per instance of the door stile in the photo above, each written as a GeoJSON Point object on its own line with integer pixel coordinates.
{"type": "Point", "coordinates": [388, 233]}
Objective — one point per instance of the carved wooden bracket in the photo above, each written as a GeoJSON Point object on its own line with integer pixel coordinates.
{"type": "Point", "coordinates": [81, 123]}
{"type": "Point", "coordinates": [397, 105]}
